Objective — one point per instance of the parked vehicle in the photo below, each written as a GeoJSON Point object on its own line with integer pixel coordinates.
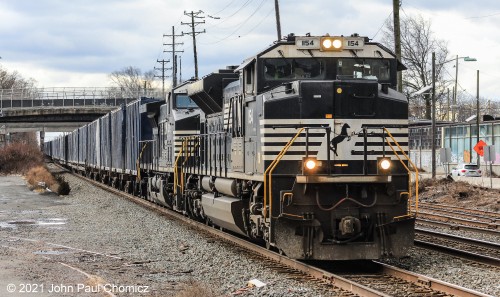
{"type": "Point", "coordinates": [466, 170]}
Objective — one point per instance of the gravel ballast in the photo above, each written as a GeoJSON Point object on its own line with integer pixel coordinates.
{"type": "Point", "coordinates": [128, 245]}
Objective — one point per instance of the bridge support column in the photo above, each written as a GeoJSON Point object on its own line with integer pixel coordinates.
{"type": "Point", "coordinates": [42, 139]}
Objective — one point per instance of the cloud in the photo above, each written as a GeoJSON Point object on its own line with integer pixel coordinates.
{"type": "Point", "coordinates": [82, 41]}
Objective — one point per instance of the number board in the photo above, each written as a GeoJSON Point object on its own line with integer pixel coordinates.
{"type": "Point", "coordinates": [307, 42]}
{"type": "Point", "coordinates": [354, 42]}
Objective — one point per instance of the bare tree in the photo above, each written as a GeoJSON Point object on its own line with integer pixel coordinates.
{"type": "Point", "coordinates": [13, 80]}
{"type": "Point", "coordinates": [130, 79]}
{"type": "Point", "coordinates": [417, 45]}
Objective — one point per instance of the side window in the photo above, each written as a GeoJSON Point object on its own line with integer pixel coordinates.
{"type": "Point", "coordinates": [249, 79]}
{"type": "Point", "coordinates": [183, 101]}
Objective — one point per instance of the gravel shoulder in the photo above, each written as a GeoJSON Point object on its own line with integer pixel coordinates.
{"type": "Point", "coordinates": [93, 237]}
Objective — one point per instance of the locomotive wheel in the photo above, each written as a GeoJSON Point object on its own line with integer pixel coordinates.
{"type": "Point", "coordinates": [268, 245]}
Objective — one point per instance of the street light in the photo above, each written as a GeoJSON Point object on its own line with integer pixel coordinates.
{"type": "Point", "coordinates": [466, 59]}
{"type": "Point", "coordinates": [433, 127]}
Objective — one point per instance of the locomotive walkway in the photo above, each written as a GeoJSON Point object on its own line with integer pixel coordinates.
{"type": "Point", "coordinates": [60, 109]}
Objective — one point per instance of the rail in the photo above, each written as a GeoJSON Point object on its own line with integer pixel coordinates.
{"type": "Point", "coordinates": [407, 169]}
{"type": "Point", "coordinates": [70, 97]}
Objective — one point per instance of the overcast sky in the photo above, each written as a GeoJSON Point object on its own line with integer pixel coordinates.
{"type": "Point", "coordinates": [79, 42]}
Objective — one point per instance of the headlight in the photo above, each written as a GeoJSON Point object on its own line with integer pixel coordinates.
{"type": "Point", "coordinates": [384, 166]}
{"type": "Point", "coordinates": [310, 164]}
{"type": "Point", "coordinates": [331, 43]}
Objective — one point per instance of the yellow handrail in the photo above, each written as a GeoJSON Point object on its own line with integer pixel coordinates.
{"type": "Point", "coordinates": [269, 171]}
{"type": "Point", "coordinates": [175, 167]}
{"type": "Point", "coordinates": [407, 169]}
{"type": "Point", "coordinates": [188, 154]}
{"type": "Point", "coordinates": [138, 162]}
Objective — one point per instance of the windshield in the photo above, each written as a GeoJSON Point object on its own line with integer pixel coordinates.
{"type": "Point", "coordinates": [364, 68]}
{"type": "Point", "coordinates": [293, 68]}
{"type": "Point", "coordinates": [183, 101]}
{"type": "Point", "coordinates": [473, 167]}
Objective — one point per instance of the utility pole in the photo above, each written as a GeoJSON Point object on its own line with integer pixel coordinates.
{"type": "Point", "coordinates": [477, 118]}
{"type": "Point", "coordinates": [453, 106]}
{"type": "Point", "coordinates": [397, 40]}
{"type": "Point", "coordinates": [456, 82]}
{"type": "Point", "coordinates": [173, 51]}
{"type": "Point", "coordinates": [180, 69]}
{"type": "Point", "coordinates": [278, 22]}
{"type": "Point", "coordinates": [193, 33]}
{"type": "Point", "coordinates": [162, 76]}
{"type": "Point", "coordinates": [433, 127]}
{"type": "Point", "coordinates": [448, 110]}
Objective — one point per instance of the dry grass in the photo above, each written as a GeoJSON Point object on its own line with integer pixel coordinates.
{"type": "Point", "coordinates": [38, 175]}
{"type": "Point", "coordinates": [20, 157]}
{"type": "Point", "coordinates": [459, 193]}
{"type": "Point", "coordinates": [40, 179]}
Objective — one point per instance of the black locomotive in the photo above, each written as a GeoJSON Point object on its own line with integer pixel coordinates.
{"type": "Point", "coordinates": [302, 147]}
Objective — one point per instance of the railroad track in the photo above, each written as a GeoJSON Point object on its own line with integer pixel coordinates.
{"type": "Point", "coordinates": [472, 249]}
{"type": "Point", "coordinates": [454, 226]}
{"type": "Point", "coordinates": [386, 281]}
{"type": "Point", "coordinates": [458, 220]}
{"type": "Point", "coordinates": [471, 213]}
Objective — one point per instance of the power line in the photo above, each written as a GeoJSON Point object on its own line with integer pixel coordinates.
{"type": "Point", "coordinates": [242, 23]}
{"type": "Point", "coordinates": [216, 13]}
{"type": "Point", "coordinates": [383, 24]}
{"type": "Point", "coordinates": [224, 19]}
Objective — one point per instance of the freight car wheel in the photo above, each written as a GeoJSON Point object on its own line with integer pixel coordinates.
{"type": "Point", "coordinates": [128, 187]}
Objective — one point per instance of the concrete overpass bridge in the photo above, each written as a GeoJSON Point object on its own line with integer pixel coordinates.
{"type": "Point", "coordinates": [60, 109]}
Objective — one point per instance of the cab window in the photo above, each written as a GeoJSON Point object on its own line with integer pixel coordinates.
{"type": "Point", "coordinates": [375, 69]}
{"type": "Point", "coordinates": [293, 68]}
{"type": "Point", "coordinates": [183, 101]}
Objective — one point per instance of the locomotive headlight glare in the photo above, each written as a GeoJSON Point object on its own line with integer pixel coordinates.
{"type": "Point", "coordinates": [385, 164]}
{"type": "Point", "coordinates": [310, 164]}
{"type": "Point", "coordinates": [327, 43]}
{"type": "Point", "coordinates": [337, 43]}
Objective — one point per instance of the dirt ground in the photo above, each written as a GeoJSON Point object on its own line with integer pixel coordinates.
{"type": "Point", "coordinates": [459, 193]}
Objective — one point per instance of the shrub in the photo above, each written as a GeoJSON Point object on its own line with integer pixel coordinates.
{"type": "Point", "coordinates": [19, 157]}
{"type": "Point", "coordinates": [63, 186]}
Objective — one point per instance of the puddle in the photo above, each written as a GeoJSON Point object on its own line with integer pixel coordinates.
{"type": "Point", "coordinates": [42, 222]}
{"type": "Point", "coordinates": [6, 225]}
{"type": "Point", "coordinates": [25, 222]}
{"type": "Point", "coordinates": [55, 221]}
{"type": "Point", "coordinates": [52, 252]}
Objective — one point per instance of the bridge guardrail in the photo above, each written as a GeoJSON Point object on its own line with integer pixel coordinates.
{"type": "Point", "coordinates": [70, 97]}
